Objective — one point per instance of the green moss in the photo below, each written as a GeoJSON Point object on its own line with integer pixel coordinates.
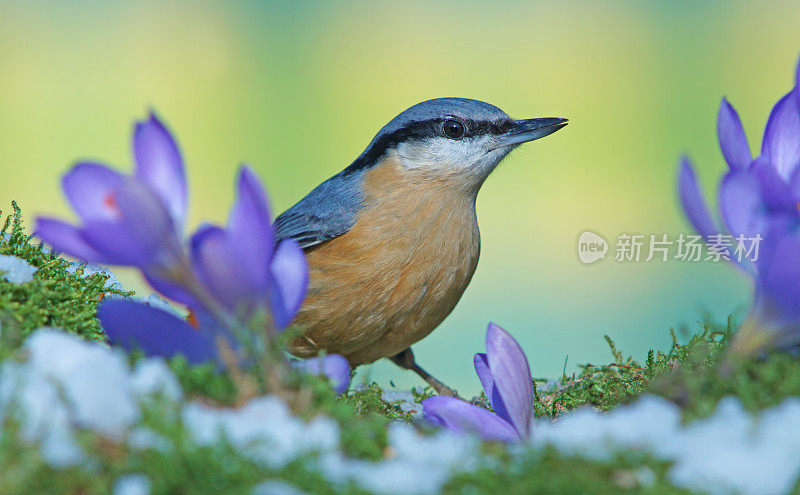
{"type": "Point", "coordinates": [700, 381]}
{"type": "Point", "coordinates": [689, 375]}
{"type": "Point", "coordinates": [203, 381]}
{"type": "Point", "coordinates": [621, 381]}
{"type": "Point", "coordinates": [53, 298]}
{"type": "Point", "coordinates": [23, 471]}
{"type": "Point", "coordinates": [547, 471]}
{"type": "Point", "coordinates": [363, 416]}
{"type": "Point", "coordinates": [369, 399]}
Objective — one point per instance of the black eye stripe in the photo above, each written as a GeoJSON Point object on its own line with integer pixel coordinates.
{"type": "Point", "coordinates": [484, 127]}
{"type": "Point", "coordinates": [422, 129]}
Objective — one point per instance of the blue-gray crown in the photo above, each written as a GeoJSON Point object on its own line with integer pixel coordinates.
{"type": "Point", "coordinates": [420, 120]}
{"type": "Point", "coordinates": [440, 108]}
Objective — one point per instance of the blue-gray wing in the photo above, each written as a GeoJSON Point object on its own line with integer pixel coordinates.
{"type": "Point", "coordinates": [328, 211]}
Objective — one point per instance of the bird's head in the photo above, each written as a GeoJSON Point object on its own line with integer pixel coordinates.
{"type": "Point", "coordinates": [454, 137]}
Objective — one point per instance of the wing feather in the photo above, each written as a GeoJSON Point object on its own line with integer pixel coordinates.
{"type": "Point", "coordinates": [328, 211]}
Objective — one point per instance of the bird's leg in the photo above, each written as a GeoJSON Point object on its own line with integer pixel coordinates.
{"type": "Point", "coordinates": [406, 360]}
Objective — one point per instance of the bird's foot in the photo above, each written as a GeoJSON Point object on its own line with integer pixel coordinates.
{"type": "Point", "coordinates": [406, 360]}
{"type": "Point", "coordinates": [441, 388]}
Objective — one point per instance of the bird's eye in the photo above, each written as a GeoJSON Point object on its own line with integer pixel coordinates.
{"type": "Point", "coordinates": [453, 129]}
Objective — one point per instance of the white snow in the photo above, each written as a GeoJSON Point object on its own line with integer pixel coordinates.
{"type": "Point", "coordinates": [132, 484]}
{"type": "Point", "coordinates": [68, 382]}
{"type": "Point", "coordinates": [152, 377]}
{"type": "Point", "coordinates": [591, 433]}
{"type": "Point", "coordinates": [732, 451]}
{"type": "Point", "coordinates": [416, 464]}
{"type": "Point", "coordinates": [143, 438]}
{"type": "Point", "coordinates": [263, 429]}
{"type": "Point", "coordinates": [94, 380]}
{"type": "Point", "coordinates": [46, 417]}
{"type": "Point", "coordinates": [16, 270]}
{"type": "Point", "coordinates": [277, 487]}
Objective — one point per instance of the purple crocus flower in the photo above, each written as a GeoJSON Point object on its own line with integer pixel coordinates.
{"type": "Point", "coordinates": [234, 274]}
{"type": "Point", "coordinates": [240, 273]}
{"type": "Point", "coordinates": [759, 198]}
{"type": "Point", "coordinates": [506, 378]}
{"type": "Point", "coordinates": [138, 326]}
{"type": "Point", "coordinates": [134, 220]}
{"type": "Point", "coordinates": [242, 267]}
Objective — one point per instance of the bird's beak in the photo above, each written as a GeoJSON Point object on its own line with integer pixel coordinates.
{"type": "Point", "coordinates": [528, 130]}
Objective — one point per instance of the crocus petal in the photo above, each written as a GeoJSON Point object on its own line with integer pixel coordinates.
{"type": "Point", "coordinates": [117, 243]}
{"type": "Point", "coordinates": [797, 76]}
{"type": "Point", "coordinates": [776, 192]}
{"type": "Point", "coordinates": [457, 415]}
{"type": "Point", "coordinates": [512, 377]}
{"type": "Point", "coordinates": [250, 226]}
{"type": "Point", "coordinates": [289, 272]}
{"type": "Point", "coordinates": [216, 266]}
{"type": "Point", "coordinates": [732, 139]}
{"type": "Point", "coordinates": [67, 239]}
{"type": "Point", "coordinates": [794, 184]}
{"type": "Point", "coordinates": [692, 201]}
{"type": "Point", "coordinates": [778, 284]}
{"type": "Point", "coordinates": [335, 367]}
{"type": "Point", "coordinates": [160, 166]}
{"type": "Point", "coordinates": [484, 375]}
{"type": "Point", "coordinates": [741, 204]}
{"type": "Point", "coordinates": [781, 145]}
{"type": "Point", "coordinates": [89, 188]}
{"type": "Point", "coordinates": [143, 235]}
{"type": "Point", "coordinates": [487, 380]}
{"type": "Point", "coordinates": [145, 217]}
{"type": "Point", "coordinates": [133, 325]}
{"type": "Point", "coordinates": [170, 289]}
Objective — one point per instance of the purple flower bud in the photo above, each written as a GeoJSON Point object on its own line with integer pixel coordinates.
{"type": "Point", "coordinates": [506, 378]}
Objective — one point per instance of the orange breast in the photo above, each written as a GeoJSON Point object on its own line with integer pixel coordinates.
{"type": "Point", "coordinates": [397, 273]}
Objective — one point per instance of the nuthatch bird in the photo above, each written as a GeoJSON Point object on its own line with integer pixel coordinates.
{"type": "Point", "coordinates": [392, 240]}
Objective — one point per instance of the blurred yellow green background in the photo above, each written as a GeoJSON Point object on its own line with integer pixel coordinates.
{"type": "Point", "coordinates": [297, 90]}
